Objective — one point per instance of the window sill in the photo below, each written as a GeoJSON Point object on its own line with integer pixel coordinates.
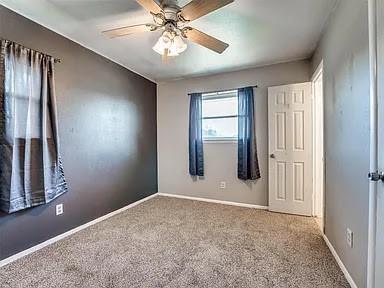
{"type": "Point", "coordinates": [220, 141]}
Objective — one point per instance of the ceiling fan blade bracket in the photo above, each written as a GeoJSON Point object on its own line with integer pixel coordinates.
{"type": "Point", "coordinates": [185, 31]}
{"type": "Point", "coordinates": [181, 18]}
{"type": "Point", "coordinates": [152, 27]}
{"type": "Point", "coordinates": [159, 16]}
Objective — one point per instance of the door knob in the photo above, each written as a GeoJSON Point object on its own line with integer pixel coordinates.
{"type": "Point", "coordinates": [272, 156]}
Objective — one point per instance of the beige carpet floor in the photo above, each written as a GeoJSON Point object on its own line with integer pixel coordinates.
{"type": "Point", "coordinates": [168, 242]}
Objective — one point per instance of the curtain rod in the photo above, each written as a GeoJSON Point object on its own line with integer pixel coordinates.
{"type": "Point", "coordinates": [225, 90]}
{"type": "Point", "coordinates": [56, 60]}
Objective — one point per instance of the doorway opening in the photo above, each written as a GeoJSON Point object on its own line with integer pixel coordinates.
{"type": "Point", "coordinates": [318, 146]}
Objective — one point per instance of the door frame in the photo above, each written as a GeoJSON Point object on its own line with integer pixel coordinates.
{"type": "Point", "coordinates": [318, 148]}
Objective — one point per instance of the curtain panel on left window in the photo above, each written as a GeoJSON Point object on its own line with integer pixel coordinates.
{"type": "Point", "coordinates": [196, 150]}
{"type": "Point", "coordinates": [31, 171]}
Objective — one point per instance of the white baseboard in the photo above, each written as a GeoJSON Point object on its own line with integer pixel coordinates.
{"type": "Point", "coordinates": [340, 263]}
{"type": "Point", "coordinates": [214, 201]}
{"type": "Point", "coordinates": [21, 254]}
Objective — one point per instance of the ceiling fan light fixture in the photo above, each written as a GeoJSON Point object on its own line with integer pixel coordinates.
{"type": "Point", "coordinates": [172, 52]}
{"type": "Point", "coordinates": [164, 42]}
{"type": "Point", "coordinates": [159, 48]}
{"type": "Point", "coordinates": [172, 19]}
{"type": "Point", "coordinates": [170, 44]}
{"type": "Point", "coordinates": [179, 44]}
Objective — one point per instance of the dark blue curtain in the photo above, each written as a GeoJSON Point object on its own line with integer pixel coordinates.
{"type": "Point", "coordinates": [248, 164]}
{"type": "Point", "coordinates": [196, 155]}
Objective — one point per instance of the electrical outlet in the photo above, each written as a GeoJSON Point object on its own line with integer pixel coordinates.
{"type": "Point", "coordinates": [350, 238]}
{"type": "Point", "coordinates": [59, 209]}
{"type": "Point", "coordinates": [223, 185]}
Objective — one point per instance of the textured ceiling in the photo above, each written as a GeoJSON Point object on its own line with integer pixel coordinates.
{"type": "Point", "coordinates": [259, 32]}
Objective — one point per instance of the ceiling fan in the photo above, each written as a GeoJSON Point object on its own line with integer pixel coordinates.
{"type": "Point", "coordinates": [173, 20]}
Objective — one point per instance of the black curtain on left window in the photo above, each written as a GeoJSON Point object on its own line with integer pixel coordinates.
{"type": "Point", "coordinates": [31, 170]}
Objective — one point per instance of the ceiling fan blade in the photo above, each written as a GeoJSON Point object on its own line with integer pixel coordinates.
{"type": "Point", "coordinates": [150, 5]}
{"type": "Point", "coordinates": [128, 30]}
{"type": "Point", "coordinates": [205, 40]}
{"type": "Point", "coordinates": [198, 8]}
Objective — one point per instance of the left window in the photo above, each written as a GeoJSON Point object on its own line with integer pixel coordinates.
{"type": "Point", "coordinates": [31, 168]}
{"type": "Point", "coordinates": [220, 116]}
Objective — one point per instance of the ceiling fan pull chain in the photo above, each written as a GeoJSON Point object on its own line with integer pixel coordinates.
{"type": "Point", "coordinates": [165, 55]}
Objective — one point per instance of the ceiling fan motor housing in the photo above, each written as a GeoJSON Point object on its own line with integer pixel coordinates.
{"type": "Point", "coordinates": [171, 14]}
{"type": "Point", "coordinates": [170, 9]}
{"type": "Point", "coordinates": [169, 3]}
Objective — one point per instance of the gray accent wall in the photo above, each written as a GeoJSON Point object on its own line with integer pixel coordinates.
{"type": "Point", "coordinates": [107, 126]}
{"type": "Point", "coordinates": [220, 158]}
{"type": "Point", "coordinates": [344, 48]}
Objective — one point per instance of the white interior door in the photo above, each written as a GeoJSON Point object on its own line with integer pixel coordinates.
{"type": "Point", "coordinates": [290, 149]}
{"type": "Point", "coordinates": [380, 186]}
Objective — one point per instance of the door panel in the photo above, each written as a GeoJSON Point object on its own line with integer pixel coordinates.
{"type": "Point", "coordinates": [298, 176]}
{"type": "Point", "coordinates": [281, 180]}
{"type": "Point", "coordinates": [280, 131]}
{"type": "Point", "coordinates": [380, 188]}
{"type": "Point", "coordinates": [298, 133]}
{"type": "Point", "coordinates": [290, 148]}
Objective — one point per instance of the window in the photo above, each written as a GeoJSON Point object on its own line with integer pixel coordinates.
{"type": "Point", "coordinates": [220, 116]}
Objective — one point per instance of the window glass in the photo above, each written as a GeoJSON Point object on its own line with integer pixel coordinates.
{"type": "Point", "coordinates": [220, 115]}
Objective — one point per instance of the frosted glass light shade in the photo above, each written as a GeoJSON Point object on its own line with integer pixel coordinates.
{"type": "Point", "coordinates": [163, 43]}
{"type": "Point", "coordinates": [179, 44]}
{"type": "Point", "coordinates": [172, 50]}
{"type": "Point", "coordinates": [175, 46]}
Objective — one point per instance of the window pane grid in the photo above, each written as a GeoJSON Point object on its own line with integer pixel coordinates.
{"type": "Point", "coordinates": [220, 115]}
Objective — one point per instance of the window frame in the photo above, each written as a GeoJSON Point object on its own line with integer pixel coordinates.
{"type": "Point", "coordinates": [220, 95]}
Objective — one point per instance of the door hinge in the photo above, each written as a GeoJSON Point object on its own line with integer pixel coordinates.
{"type": "Point", "coordinates": [376, 176]}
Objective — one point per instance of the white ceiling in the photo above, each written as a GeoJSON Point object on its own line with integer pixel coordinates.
{"type": "Point", "coordinates": [259, 32]}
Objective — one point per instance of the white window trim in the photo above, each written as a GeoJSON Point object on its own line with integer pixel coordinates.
{"type": "Point", "coordinates": [220, 140]}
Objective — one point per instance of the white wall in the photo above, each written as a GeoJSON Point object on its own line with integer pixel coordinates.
{"type": "Point", "coordinates": [220, 159]}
